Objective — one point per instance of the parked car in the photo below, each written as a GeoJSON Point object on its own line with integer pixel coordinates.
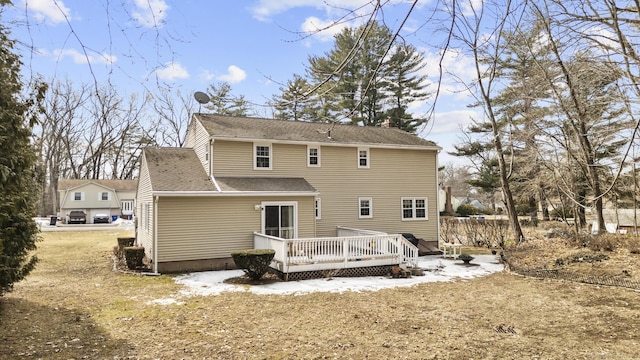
{"type": "Point", "coordinates": [77, 217]}
{"type": "Point", "coordinates": [101, 219]}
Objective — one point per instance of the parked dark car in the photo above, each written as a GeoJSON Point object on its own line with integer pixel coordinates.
{"type": "Point", "coordinates": [101, 219]}
{"type": "Point", "coordinates": [77, 217]}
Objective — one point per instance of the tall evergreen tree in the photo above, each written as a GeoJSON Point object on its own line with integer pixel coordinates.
{"type": "Point", "coordinates": [295, 103]}
{"type": "Point", "coordinates": [406, 86]}
{"type": "Point", "coordinates": [223, 102]}
{"type": "Point", "coordinates": [361, 81]}
{"type": "Point", "coordinates": [18, 184]}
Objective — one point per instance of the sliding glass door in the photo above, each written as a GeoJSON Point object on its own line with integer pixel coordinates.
{"type": "Point", "coordinates": [279, 219]}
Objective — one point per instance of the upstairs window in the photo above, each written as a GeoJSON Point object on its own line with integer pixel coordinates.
{"type": "Point", "coordinates": [77, 196]}
{"type": "Point", "coordinates": [414, 208]}
{"type": "Point", "coordinates": [104, 196]}
{"type": "Point", "coordinates": [313, 156]}
{"type": "Point", "coordinates": [262, 157]}
{"type": "Point", "coordinates": [363, 158]}
{"type": "Point", "coordinates": [365, 208]}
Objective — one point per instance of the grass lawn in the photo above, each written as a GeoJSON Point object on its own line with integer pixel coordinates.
{"type": "Point", "coordinates": [74, 306]}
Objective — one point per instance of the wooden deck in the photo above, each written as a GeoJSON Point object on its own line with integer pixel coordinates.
{"type": "Point", "coordinates": [351, 249]}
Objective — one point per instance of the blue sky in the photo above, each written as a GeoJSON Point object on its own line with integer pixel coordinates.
{"type": "Point", "coordinates": [255, 45]}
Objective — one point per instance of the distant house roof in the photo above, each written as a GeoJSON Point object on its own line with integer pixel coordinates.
{"type": "Point", "coordinates": [118, 185]}
{"type": "Point", "coordinates": [179, 170]}
{"type": "Point", "coordinates": [246, 128]}
{"type": "Point", "coordinates": [176, 169]}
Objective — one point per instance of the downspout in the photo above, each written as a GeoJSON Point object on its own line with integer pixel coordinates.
{"type": "Point", "coordinates": [437, 202]}
{"type": "Point", "coordinates": [155, 234]}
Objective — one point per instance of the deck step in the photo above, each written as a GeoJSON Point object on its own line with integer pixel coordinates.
{"type": "Point", "coordinates": [428, 248]}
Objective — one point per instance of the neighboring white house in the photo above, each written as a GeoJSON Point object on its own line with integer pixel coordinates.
{"type": "Point", "coordinates": [111, 197]}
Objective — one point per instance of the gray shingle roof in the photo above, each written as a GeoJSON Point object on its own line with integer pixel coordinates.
{"type": "Point", "coordinates": [119, 185]}
{"type": "Point", "coordinates": [270, 184]}
{"type": "Point", "coordinates": [220, 126]}
{"type": "Point", "coordinates": [176, 169]}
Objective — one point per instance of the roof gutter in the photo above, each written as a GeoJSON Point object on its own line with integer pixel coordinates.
{"type": "Point", "coordinates": [324, 143]}
{"type": "Point", "coordinates": [234, 193]}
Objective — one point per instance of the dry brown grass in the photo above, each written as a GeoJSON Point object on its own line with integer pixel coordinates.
{"type": "Point", "coordinates": [74, 306]}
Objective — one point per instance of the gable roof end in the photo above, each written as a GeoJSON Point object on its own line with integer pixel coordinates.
{"type": "Point", "coordinates": [176, 169]}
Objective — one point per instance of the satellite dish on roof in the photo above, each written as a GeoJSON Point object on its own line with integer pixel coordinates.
{"type": "Point", "coordinates": [201, 97]}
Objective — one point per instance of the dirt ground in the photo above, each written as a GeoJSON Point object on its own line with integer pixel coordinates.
{"type": "Point", "coordinates": [75, 306]}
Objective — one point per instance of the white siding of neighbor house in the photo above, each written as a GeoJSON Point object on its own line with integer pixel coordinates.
{"type": "Point", "coordinates": [144, 198]}
{"type": "Point", "coordinates": [193, 228]}
{"type": "Point", "coordinates": [392, 175]}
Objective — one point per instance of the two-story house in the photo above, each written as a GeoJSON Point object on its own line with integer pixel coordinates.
{"type": "Point", "coordinates": [110, 197]}
{"type": "Point", "coordinates": [238, 176]}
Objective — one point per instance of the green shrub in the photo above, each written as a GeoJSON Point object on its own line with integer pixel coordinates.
{"type": "Point", "coordinates": [254, 262]}
{"type": "Point", "coordinates": [133, 256]}
{"type": "Point", "coordinates": [466, 210]}
{"type": "Point", "coordinates": [124, 242]}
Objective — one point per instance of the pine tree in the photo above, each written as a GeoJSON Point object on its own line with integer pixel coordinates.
{"type": "Point", "coordinates": [18, 183]}
{"type": "Point", "coordinates": [406, 86]}
{"type": "Point", "coordinates": [369, 80]}
{"type": "Point", "coordinates": [295, 103]}
{"type": "Point", "coordinates": [223, 102]}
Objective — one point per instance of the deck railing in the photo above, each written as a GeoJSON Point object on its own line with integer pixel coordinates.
{"type": "Point", "coordinates": [341, 252]}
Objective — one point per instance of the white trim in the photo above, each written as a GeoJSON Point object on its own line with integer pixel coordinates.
{"type": "Point", "coordinates": [234, 193]}
{"type": "Point", "coordinates": [413, 208]}
{"type": "Point", "coordinates": [368, 157]}
{"type": "Point", "coordinates": [360, 208]}
{"type": "Point", "coordinates": [309, 148]}
{"type": "Point", "coordinates": [345, 144]}
{"type": "Point", "coordinates": [255, 155]}
{"type": "Point", "coordinates": [318, 208]}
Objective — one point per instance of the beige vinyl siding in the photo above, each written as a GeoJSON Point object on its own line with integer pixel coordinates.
{"type": "Point", "coordinates": [144, 196]}
{"type": "Point", "coordinates": [192, 228]}
{"type": "Point", "coordinates": [393, 174]}
{"type": "Point", "coordinates": [198, 139]}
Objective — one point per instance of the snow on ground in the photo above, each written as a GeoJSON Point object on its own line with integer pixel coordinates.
{"type": "Point", "coordinates": [436, 269]}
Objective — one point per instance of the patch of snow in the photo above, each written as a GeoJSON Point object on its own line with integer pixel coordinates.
{"type": "Point", "coordinates": [436, 269]}
{"type": "Point", "coordinates": [166, 301]}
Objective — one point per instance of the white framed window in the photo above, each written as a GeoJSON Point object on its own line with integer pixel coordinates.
{"type": "Point", "coordinates": [318, 208]}
{"type": "Point", "coordinates": [262, 157]}
{"type": "Point", "coordinates": [365, 208]}
{"type": "Point", "coordinates": [313, 156]}
{"type": "Point", "coordinates": [363, 158]}
{"type": "Point", "coordinates": [104, 196]}
{"type": "Point", "coordinates": [414, 208]}
{"type": "Point", "coordinates": [78, 196]}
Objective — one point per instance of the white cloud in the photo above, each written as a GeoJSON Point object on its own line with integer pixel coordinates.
{"type": "Point", "coordinates": [323, 30]}
{"type": "Point", "coordinates": [234, 75]}
{"type": "Point", "coordinates": [150, 13]}
{"type": "Point", "coordinates": [48, 10]}
{"type": "Point", "coordinates": [458, 69]}
{"type": "Point", "coordinates": [172, 71]}
{"type": "Point", "coordinates": [265, 9]}
{"type": "Point", "coordinates": [82, 58]}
